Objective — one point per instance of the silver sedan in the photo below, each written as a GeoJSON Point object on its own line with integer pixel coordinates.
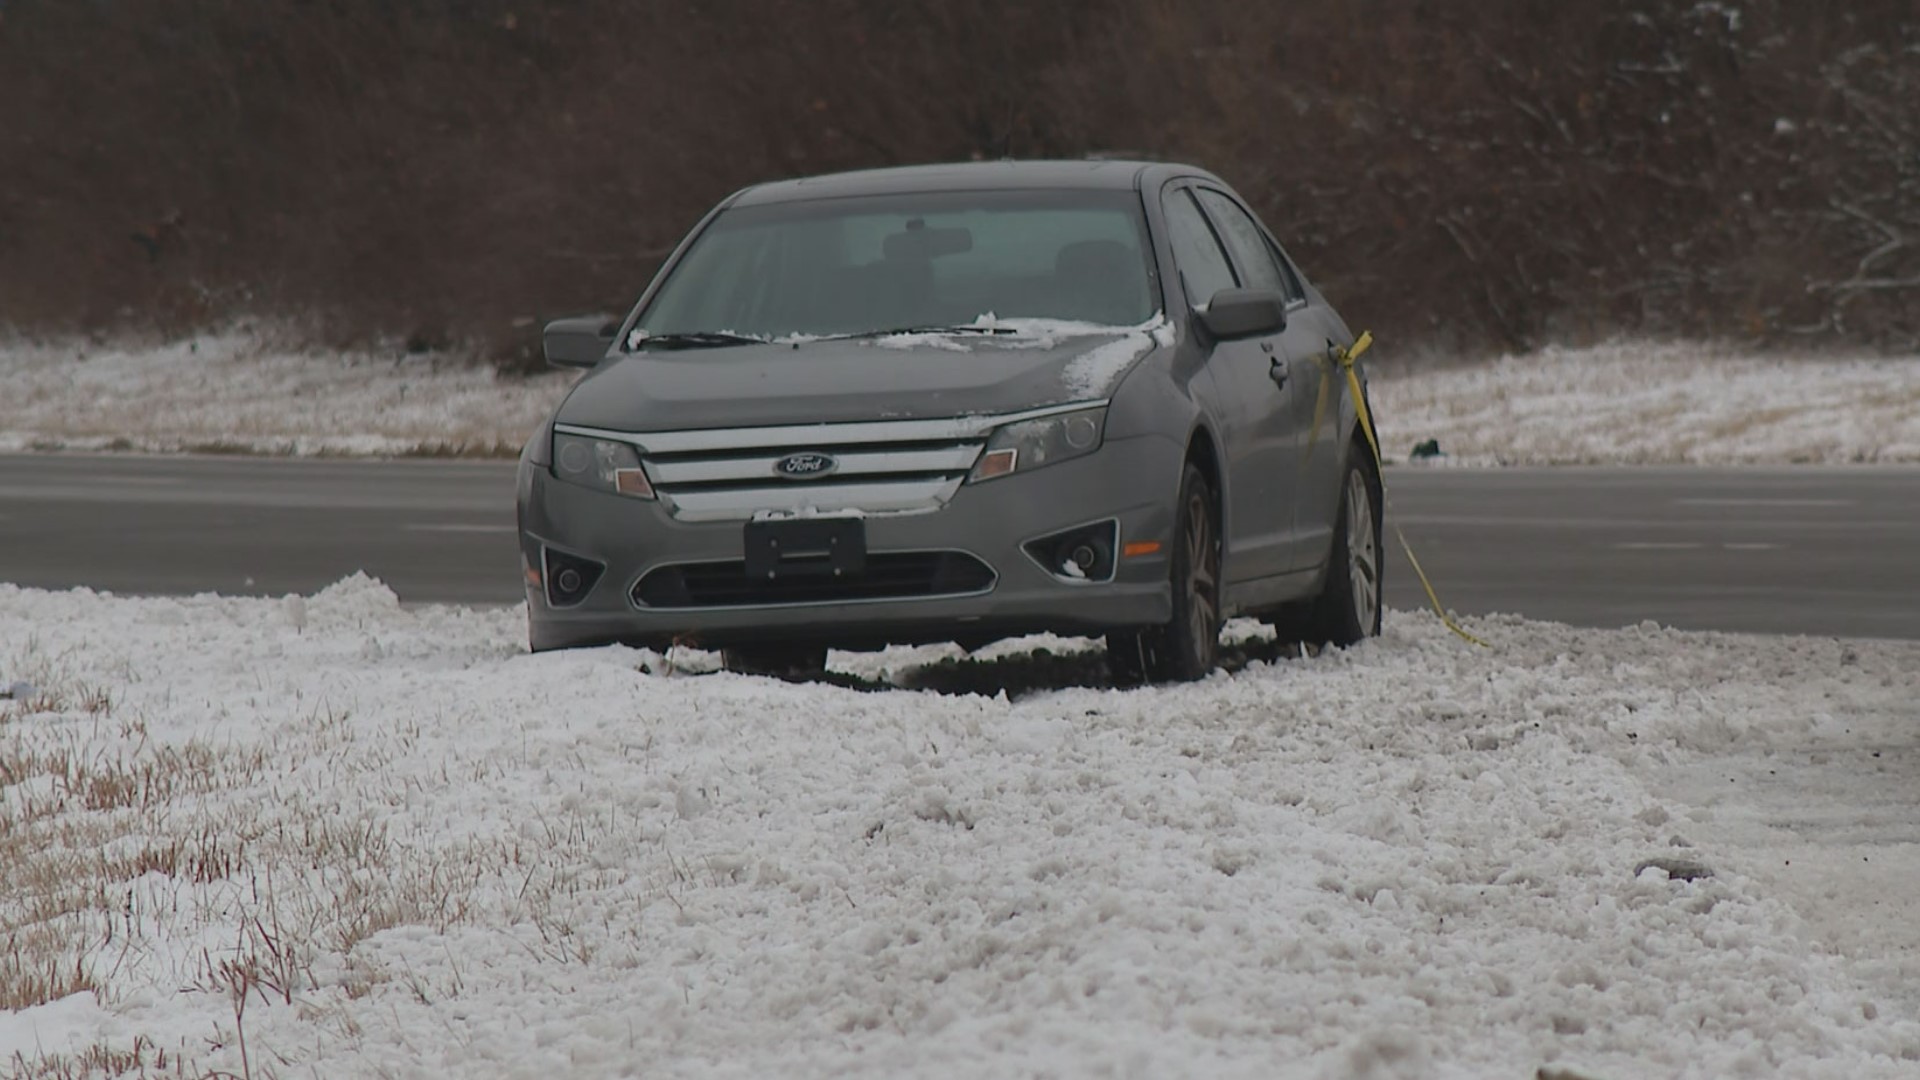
{"type": "Point", "coordinates": [958, 403]}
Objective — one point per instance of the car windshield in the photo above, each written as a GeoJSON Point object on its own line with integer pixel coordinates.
{"type": "Point", "coordinates": [848, 266]}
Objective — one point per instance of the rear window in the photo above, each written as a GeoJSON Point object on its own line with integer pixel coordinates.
{"type": "Point", "coordinates": [838, 266]}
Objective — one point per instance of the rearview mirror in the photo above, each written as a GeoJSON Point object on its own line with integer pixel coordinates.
{"type": "Point", "coordinates": [920, 242]}
{"type": "Point", "coordinates": [1244, 313]}
{"type": "Point", "coordinates": [578, 342]}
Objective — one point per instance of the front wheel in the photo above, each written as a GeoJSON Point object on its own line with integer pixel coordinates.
{"type": "Point", "coordinates": [1348, 608]}
{"type": "Point", "coordinates": [1184, 648]}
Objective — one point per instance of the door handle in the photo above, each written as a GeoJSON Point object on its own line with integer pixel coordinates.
{"type": "Point", "coordinates": [1278, 372]}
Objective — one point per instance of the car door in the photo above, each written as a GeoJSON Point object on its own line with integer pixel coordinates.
{"type": "Point", "coordinates": [1313, 393]}
{"type": "Point", "coordinates": [1251, 408]}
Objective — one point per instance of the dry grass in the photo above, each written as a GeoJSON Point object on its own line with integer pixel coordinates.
{"type": "Point", "coordinates": [104, 829]}
{"type": "Point", "coordinates": [33, 974]}
{"type": "Point", "coordinates": [143, 1058]}
{"type": "Point", "coordinates": [247, 876]}
{"type": "Point", "coordinates": [478, 446]}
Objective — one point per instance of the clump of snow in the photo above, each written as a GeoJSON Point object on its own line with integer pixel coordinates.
{"type": "Point", "coordinates": [237, 392]}
{"type": "Point", "coordinates": [1094, 373]}
{"type": "Point", "coordinates": [930, 340]}
{"type": "Point", "coordinates": [1654, 404]}
{"type": "Point", "coordinates": [440, 853]}
{"type": "Point", "coordinates": [1046, 333]}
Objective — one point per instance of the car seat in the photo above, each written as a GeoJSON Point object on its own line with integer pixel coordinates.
{"type": "Point", "coordinates": [1099, 281]}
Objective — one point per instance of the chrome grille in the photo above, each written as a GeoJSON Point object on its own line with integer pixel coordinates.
{"type": "Point", "coordinates": [874, 478]}
{"type": "Point", "coordinates": [881, 466]}
{"type": "Point", "coordinates": [756, 468]}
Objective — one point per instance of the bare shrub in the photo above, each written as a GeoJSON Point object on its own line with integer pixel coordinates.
{"type": "Point", "coordinates": [1501, 173]}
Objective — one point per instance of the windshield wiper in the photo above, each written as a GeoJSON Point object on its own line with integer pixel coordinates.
{"type": "Point", "coordinates": [900, 330]}
{"type": "Point", "coordinates": [697, 339]}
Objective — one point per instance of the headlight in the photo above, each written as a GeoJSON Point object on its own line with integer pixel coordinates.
{"type": "Point", "coordinates": [1030, 444]}
{"type": "Point", "coordinates": [601, 464]}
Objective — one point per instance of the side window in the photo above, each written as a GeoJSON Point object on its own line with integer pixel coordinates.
{"type": "Point", "coordinates": [1256, 257]}
{"type": "Point", "coordinates": [1203, 266]}
{"type": "Point", "coordinates": [1294, 289]}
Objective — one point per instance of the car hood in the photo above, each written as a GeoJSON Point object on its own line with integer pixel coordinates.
{"type": "Point", "coordinates": [912, 376]}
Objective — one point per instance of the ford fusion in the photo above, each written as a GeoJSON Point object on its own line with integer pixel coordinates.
{"type": "Point", "coordinates": [958, 403]}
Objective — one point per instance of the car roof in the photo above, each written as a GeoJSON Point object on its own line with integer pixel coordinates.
{"type": "Point", "coordinates": [966, 176]}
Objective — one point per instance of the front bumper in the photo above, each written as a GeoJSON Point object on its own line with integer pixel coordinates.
{"type": "Point", "coordinates": [1133, 481]}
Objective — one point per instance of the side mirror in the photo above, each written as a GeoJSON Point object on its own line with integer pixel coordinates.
{"type": "Point", "coordinates": [1244, 313]}
{"type": "Point", "coordinates": [578, 342]}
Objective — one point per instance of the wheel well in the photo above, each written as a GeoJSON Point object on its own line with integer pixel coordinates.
{"type": "Point", "coordinates": [1200, 452]}
{"type": "Point", "coordinates": [1202, 455]}
{"type": "Point", "coordinates": [1359, 444]}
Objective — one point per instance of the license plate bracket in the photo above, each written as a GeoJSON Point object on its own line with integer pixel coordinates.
{"type": "Point", "coordinates": [820, 547]}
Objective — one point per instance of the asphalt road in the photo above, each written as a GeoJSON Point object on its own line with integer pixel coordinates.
{"type": "Point", "coordinates": [1828, 551]}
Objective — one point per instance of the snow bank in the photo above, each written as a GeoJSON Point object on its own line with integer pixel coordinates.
{"type": "Point", "coordinates": [412, 850]}
{"type": "Point", "coordinates": [238, 393]}
{"type": "Point", "coordinates": [1655, 404]}
{"type": "Point", "coordinates": [1614, 404]}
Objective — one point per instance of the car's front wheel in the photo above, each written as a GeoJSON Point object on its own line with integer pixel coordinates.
{"type": "Point", "coordinates": [1184, 648]}
{"type": "Point", "coordinates": [1348, 608]}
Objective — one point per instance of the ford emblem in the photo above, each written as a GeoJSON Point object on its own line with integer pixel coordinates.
{"type": "Point", "coordinates": [805, 466]}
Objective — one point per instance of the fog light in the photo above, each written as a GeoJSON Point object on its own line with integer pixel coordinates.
{"type": "Point", "coordinates": [1086, 553]}
{"type": "Point", "coordinates": [569, 578]}
{"type": "Point", "coordinates": [1084, 557]}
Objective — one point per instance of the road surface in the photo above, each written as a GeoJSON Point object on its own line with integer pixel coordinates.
{"type": "Point", "coordinates": [1828, 551]}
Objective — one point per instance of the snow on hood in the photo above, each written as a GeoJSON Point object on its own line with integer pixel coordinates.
{"type": "Point", "coordinates": [996, 365]}
{"type": "Point", "coordinates": [1095, 373]}
{"type": "Point", "coordinates": [1092, 374]}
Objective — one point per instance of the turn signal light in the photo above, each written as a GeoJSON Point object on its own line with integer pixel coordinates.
{"type": "Point", "coordinates": [996, 463]}
{"type": "Point", "coordinates": [632, 482]}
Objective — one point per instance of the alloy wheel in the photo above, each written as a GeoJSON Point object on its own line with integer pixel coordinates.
{"type": "Point", "coordinates": [1363, 552]}
{"type": "Point", "coordinates": [1203, 561]}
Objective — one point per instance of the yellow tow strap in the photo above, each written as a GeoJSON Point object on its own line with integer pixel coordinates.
{"type": "Point", "coordinates": [1347, 357]}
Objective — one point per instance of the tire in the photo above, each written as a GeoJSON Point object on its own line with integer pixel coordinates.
{"type": "Point", "coordinates": [781, 661]}
{"type": "Point", "coordinates": [1184, 648]}
{"type": "Point", "coordinates": [1349, 607]}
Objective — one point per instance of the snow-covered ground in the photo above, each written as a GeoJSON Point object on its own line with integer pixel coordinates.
{"type": "Point", "coordinates": [240, 392]}
{"type": "Point", "coordinates": [1672, 404]}
{"type": "Point", "coordinates": [336, 836]}
{"type": "Point", "coordinates": [1637, 404]}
